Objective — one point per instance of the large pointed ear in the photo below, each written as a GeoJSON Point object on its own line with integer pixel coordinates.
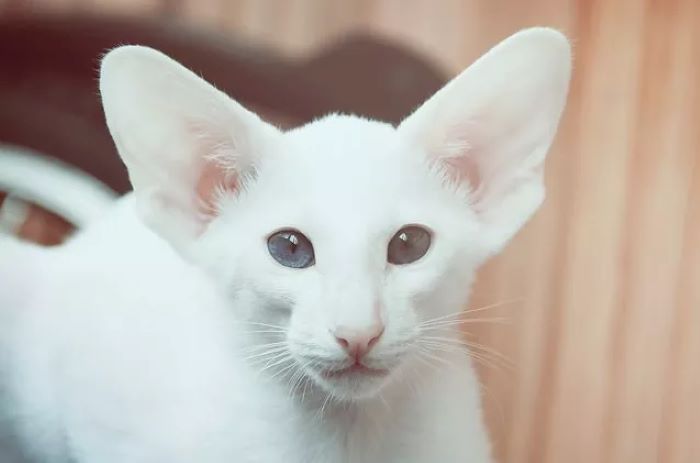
{"type": "Point", "coordinates": [491, 126]}
{"type": "Point", "coordinates": [184, 142]}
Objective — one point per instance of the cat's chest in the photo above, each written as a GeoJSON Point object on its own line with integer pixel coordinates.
{"type": "Point", "coordinates": [339, 435]}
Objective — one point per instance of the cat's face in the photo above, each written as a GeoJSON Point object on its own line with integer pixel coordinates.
{"type": "Point", "coordinates": [338, 242]}
{"type": "Point", "coordinates": [372, 244]}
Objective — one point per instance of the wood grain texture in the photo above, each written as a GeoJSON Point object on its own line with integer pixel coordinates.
{"type": "Point", "coordinates": [605, 329]}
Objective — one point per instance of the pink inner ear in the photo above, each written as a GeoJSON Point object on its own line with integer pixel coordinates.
{"type": "Point", "coordinates": [214, 181]}
{"type": "Point", "coordinates": [465, 169]}
{"type": "Point", "coordinates": [459, 152]}
{"type": "Point", "coordinates": [216, 178]}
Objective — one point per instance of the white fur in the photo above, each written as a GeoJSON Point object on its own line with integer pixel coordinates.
{"type": "Point", "coordinates": [148, 345]}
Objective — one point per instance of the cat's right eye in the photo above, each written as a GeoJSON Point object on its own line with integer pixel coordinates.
{"type": "Point", "coordinates": [408, 245]}
{"type": "Point", "coordinates": [291, 249]}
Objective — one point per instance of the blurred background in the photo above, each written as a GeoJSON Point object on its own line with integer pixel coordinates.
{"type": "Point", "coordinates": [601, 291]}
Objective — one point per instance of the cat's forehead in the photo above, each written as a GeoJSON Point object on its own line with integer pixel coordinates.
{"type": "Point", "coordinates": [341, 138]}
{"type": "Point", "coordinates": [343, 167]}
{"type": "Point", "coordinates": [340, 153]}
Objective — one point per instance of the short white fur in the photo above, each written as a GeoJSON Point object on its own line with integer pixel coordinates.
{"type": "Point", "coordinates": [185, 341]}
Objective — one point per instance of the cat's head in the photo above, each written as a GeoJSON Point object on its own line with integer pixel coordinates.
{"type": "Point", "coordinates": [338, 242]}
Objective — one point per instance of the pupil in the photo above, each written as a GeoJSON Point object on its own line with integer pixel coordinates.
{"type": "Point", "coordinates": [293, 241]}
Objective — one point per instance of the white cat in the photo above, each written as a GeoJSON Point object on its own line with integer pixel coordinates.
{"type": "Point", "coordinates": [291, 297]}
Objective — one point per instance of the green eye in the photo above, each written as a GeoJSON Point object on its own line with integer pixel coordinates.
{"type": "Point", "coordinates": [291, 249]}
{"type": "Point", "coordinates": [408, 245]}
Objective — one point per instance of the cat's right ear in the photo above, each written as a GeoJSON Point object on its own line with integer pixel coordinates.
{"type": "Point", "coordinates": [184, 142]}
{"type": "Point", "coordinates": [491, 127]}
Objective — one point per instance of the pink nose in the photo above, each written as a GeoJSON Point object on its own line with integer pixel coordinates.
{"type": "Point", "coordinates": [358, 341]}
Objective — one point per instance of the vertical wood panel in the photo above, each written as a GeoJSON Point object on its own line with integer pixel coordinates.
{"type": "Point", "coordinates": [662, 167]}
{"type": "Point", "coordinates": [588, 282]}
{"type": "Point", "coordinates": [680, 441]}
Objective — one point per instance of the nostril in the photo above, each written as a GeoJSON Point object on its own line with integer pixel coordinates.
{"type": "Point", "coordinates": [375, 339]}
{"type": "Point", "coordinates": [343, 343]}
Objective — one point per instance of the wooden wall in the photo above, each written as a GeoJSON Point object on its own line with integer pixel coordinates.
{"type": "Point", "coordinates": [605, 330]}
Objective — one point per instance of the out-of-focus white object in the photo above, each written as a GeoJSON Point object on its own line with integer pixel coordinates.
{"type": "Point", "coordinates": [13, 213]}
{"type": "Point", "coordinates": [29, 176]}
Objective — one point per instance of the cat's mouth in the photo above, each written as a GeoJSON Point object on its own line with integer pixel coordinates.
{"type": "Point", "coordinates": [356, 370]}
{"type": "Point", "coordinates": [355, 381]}
{"type": "Point", "coordinates": [347, 378]}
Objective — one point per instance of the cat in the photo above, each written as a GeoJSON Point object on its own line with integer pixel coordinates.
{"type": "Point", "coordinates": [269, 296]}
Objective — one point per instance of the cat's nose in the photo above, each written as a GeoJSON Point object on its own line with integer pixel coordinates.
{"type": "Point", "coordinates": [358, 341]}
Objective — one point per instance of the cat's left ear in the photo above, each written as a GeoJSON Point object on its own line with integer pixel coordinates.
{"type": "Point", "coordinates": [491, 126]}
{"type": "Point", "coordinates": [184, 142]}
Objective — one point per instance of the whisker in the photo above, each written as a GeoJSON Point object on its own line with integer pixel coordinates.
{"type": "Point", "coordinates": [291, 373]}
{"type": "Point", "coordinates": [480, 357]}
{"type": "Point", "coordinates": [474, 310]}
{"type": "Point", "coordinates": [285, 370]}
{"type": "Point", "coordinates": [266, 331]}
{"type": "Point", "coordinates": [495, 305]}
{"type": "Point", "coordinates": [266, 353]}
{"type": "Point", "coordinates": [329, 397]}
{"type": "Point", "coordinates": [302, 379]}
{"type": "Point", "coordinates": [278, 359]}
{"type": "Point", "coordinates": [258, 347]}
{"type": "Point", "coordinates": [465, 321]}
{"type": "Point", "coordinates": [426, 355]}
{"type": "Point", "coordinates": [267, 325]}
{"type": "Point", "coordinates": [471, 344]}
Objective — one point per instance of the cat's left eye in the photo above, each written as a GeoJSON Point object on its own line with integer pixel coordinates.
{"type": "Point", "coordinates": [408, 245]}
{"type": "Point", "coordinates": [291, 249]}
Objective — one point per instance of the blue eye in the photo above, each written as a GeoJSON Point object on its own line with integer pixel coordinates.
{"type": "Point", "coordinates": [291, 249]}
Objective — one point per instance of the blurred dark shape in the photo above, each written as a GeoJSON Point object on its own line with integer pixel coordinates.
{"type": "Point", "coordinates": [48, 81]}
{"type": "Point", "coordinates": [41, 226]}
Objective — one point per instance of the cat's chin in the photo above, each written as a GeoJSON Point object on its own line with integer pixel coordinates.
{"type": "Point", "coordinates": [353, 383]}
